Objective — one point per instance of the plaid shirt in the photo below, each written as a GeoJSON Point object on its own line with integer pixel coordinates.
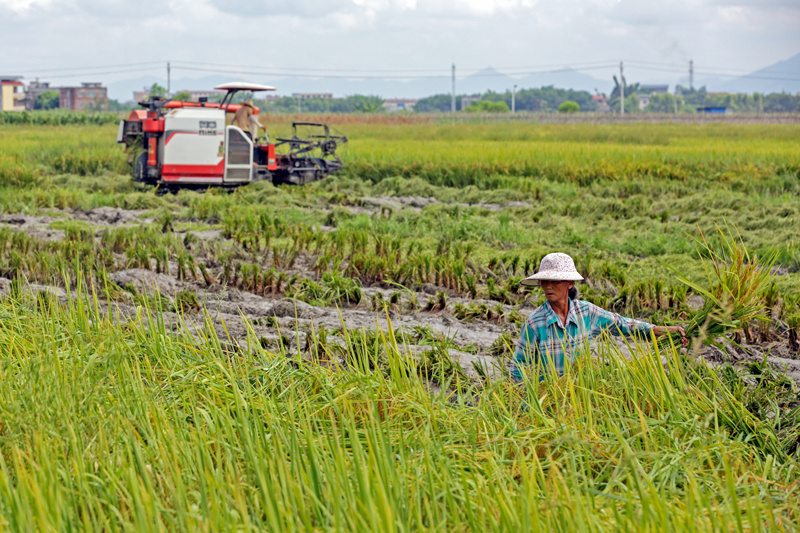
{"type": "Point", "coordinates": [545, 341]}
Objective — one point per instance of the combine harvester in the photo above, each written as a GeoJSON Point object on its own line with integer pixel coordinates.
{"type": "Point", "coordinates": [174, 145]}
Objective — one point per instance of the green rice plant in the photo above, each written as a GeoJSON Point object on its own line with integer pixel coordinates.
{"type": "Point", "coordinates": [503, 347]}
{"type": "Point", "coordinates": [342, 289]}
{"type": "Point", "coordinates": [165, 220]}
{"type": "Point", "coordinates": [169, 432]}
{"type": "Point", "coordinates": [87, 162]}
{"type": "Point", "coordinates": [770, 296]}
{"type": "Point", "coordinates": [472, 286]}
{"type": "Point", "coordinates": [16, 173]}
{"type": "Point", "coordinates": [376, 302]}
{"type": "Point", "coordinates": [186, 301]}
{"type": "Point", "coordinates": [58, 117]}
{"type": "Point", "coordinates": [737, 283]}
{"type": "Point", "coordinates": [793, 323]}
{"type": "Point", "coordinates": [333, 289]}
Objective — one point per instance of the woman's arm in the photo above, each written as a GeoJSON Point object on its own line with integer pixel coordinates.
{"type": "Point", "coordinates": [660, 331]}
{"type": "Point", "coordinates": [619, 325]}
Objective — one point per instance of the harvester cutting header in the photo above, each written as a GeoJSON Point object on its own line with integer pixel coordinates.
{"type": "Point", "coordinates": [176, 144]}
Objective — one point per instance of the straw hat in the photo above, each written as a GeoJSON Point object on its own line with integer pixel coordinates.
{"type": "Point", "coordinates": [249, 102]}
{"type": "Point", "coordinates": [554, 267]}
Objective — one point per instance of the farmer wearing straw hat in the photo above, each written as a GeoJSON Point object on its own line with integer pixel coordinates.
{"type": "Point", "coordinates": [561, 328]}
{"type": "Point", "coordinates": [245, 120]}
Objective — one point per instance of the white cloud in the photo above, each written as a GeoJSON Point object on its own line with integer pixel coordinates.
{"type": "Point", "coordinates": [23, 6]}
{"type": "Point", "coordinates": [295, 8]}
{"type": "Point", "coordinates": [398, 34]}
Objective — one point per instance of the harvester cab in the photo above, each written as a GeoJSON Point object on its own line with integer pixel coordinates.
{"type": "Point", "coordinates": [175, 144]}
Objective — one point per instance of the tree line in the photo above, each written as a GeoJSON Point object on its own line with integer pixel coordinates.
{"type": "Point", "coordinates": [544, 99]}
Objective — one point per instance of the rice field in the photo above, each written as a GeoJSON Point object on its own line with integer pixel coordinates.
{"type": "Point", "coordinates": [335, 356]}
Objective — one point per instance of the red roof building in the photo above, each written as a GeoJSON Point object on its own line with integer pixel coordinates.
{"type": "Point", "coordinates": [12, 94]}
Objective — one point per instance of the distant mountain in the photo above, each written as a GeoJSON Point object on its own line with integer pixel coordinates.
{"type": "Point", "coordinates": [783, 76]}
{"type": "Point", "coordinates": [567, 78]}
{"type": "Point", "coordinates": [484, 80]}
{"type": "Point", "coordinates": [479, 82]}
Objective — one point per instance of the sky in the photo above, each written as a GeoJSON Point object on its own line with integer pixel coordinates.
{"type": "Point", "coordinates": [67, 41]}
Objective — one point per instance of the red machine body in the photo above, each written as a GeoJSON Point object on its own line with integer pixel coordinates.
{"type": "Point", "coordinates": [177, 144]}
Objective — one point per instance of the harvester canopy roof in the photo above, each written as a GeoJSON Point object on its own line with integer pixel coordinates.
{"type": "Point", "coordinates": [243, 86]}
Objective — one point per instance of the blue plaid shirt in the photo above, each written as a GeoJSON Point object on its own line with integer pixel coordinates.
{"type": "Point", "coordinates": [544, 342]}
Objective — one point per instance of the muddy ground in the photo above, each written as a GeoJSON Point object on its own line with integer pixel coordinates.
{"type": "Point", "coordinates": [282, 323]}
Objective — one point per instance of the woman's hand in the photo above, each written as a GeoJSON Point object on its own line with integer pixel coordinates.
{"type": "Point", "coordinates": [660, 331]}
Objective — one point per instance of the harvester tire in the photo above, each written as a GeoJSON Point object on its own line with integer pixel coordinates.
{"type": "Point", "coordinates": [140, 167]}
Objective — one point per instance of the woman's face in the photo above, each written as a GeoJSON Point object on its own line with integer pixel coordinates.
{"type": "Point", "coordinates": [556, 291]}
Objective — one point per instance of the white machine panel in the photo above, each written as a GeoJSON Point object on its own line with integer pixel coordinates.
{"type": "Point", "coordinates": [193, 144]}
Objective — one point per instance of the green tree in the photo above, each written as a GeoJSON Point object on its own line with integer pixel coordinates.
{"type": "Point", "coordinates": [367, 104]}
{"type": "Point", "coordinates": [116, 105]}
{"type": "Point", "coordinates": [487, 106]}
{"type": "Point", "coordinates": [544, 99]}
{"type": "Point", "coordinates": [631, 102]}
{"type": "Point", "coordinates": [438, 102]}
{"type": "Point", "coordinates": [182, 96]}
{"type": "Point", "coordinates": [569, 107]}
{"type": "Point", "coordinates": [667, 103]}
{"type": "Point", "coordinates": [47, 100]}
{"type": "Point", "coordinates": [781, 103]}
{"type": "Point", "coordinates": [158, 90]}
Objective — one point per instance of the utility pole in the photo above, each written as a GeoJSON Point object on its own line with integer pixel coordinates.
{"type": "Point", "coordinates": [675, 100]}
{"type": "Point", "coordinates": [621, 90]}
{"type": "Point", "coordinates": [169, 81]}
{"type": "Point", "coordinates": [453, 97]}
{"type": "Point", "coordinates": [691, 75]}
{"type": "Point", "coordinates": [514, 99]}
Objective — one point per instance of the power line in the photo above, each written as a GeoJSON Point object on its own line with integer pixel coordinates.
{"type": "Point", "coordinates": [331, 76]}
{"type": "Point", "coordinates": [682, 67]}
{"type": "Point", "coordinates": [319, 75]}
{"type": "Point", "coordinates": [410, 72]}
{"type": "Point", "coordinates": [297, 69]}
{"type": "Point", "coordinates": [384, 74]}
{"type": "Point", "coordinates": [123, 65]}
{"type": "Point", "coordinates": [104, 73]}
{"type": "Point", "coordinates": [720, 74]}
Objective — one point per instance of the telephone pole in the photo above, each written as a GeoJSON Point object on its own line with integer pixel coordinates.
{"type": "Point", "coordinates": [621, 90]}
{"type": "Point", "coordinates": [514, 99]}
{"type": "Point", "coordinates": [453, 97]}
{"type": "Point", "coordinates": [169, 81]}
{"type": "Point", "coordinates": [691, 75]}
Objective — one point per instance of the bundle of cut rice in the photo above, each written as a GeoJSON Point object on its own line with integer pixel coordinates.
{"type": "Point", "coordinates": [736, 282]}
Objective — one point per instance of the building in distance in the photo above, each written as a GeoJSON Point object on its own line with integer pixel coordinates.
{"type": "Point", "coordinates": [312, 96]}
{"type": "Point", "coordinates": [653, 89]}
{"type": "Point", "coordinates": [467, 100]}
{"type": "Point", "coordinates": [712, 110]}
{"type": "Point", "coordinates": [12, 93]}
{"type": "Point", "coordinates": [646, 91]}
{"type": "Point", "coordinates": [34, 89]}
{"type": "Point", "coordinates": [602, 103]}
{"type": "Point", "coordinates": [400, 104]}
{"type": "Point", "coordinates": [195, 96]}
{"type": "Point", "coordinates": [89, 96]}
